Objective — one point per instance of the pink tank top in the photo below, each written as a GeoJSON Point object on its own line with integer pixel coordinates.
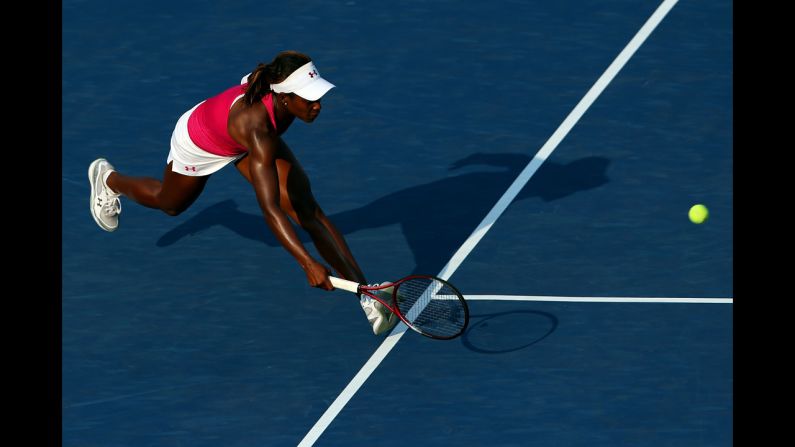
{"type": "Point", "coordinates": [207, 125]}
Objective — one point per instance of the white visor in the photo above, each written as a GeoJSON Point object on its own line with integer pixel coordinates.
{"type": "Point", "coordinates": [304, 82]}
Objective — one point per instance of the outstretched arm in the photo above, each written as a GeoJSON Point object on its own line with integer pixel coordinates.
{"type": "Point", "coordinates": [265, 180]}
{"type": "Point", "coordinates": [332, 246]}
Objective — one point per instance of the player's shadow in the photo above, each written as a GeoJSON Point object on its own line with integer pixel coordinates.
{"type": "Point", "coordinates": [504, 332]}
{"type": "Point", "coordinates": [436, 217]}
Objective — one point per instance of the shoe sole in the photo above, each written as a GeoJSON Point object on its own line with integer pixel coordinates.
{"type": "Point", "coordinates": [389, 326]}
{"type": "Point", "coordinates": [92, 180]}
{"type": "Point", "coordinates": [390, 320]}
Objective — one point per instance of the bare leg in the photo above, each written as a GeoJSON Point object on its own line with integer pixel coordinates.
{"type": "Point", "coordinates": [173, 195]}
{"type": "Point", "coordinates": [297, 201]}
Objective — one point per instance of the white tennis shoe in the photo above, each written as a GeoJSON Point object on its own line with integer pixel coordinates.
{"type": "Point", "coordinates": [381, 318]}
{"type": "Point", "coordinates": [104, 204]}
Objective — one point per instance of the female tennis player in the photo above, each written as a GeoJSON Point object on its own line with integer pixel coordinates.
{"type": "Point", "coordinates": [243, 125]}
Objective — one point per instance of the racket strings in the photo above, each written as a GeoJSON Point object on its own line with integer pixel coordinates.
{"type": "Point", "coordinates": [432, 306]}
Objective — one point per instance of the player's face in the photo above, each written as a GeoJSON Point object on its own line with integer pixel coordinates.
{"type": "Point", "coordinates": [304, 109]}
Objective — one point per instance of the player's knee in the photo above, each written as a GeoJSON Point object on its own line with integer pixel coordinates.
{"type": "Point", "coordinates": [172, 206]}
{"type": "Point", "coordinates": [172, 211]}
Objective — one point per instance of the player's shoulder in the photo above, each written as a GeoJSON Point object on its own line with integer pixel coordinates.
{"type": "Point", "coordinates": [249, 116]}
{"type": "Point", "coordinates": [250, 122]}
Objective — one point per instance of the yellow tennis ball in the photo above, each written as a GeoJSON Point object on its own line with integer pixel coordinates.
{"type": "Point", "coordinates": [698, 213]}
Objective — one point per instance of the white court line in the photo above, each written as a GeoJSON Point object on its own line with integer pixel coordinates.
{"type": "Point", "coordinates": [448, 270]}
{"type": "Point", "coordinates": [598, 299]}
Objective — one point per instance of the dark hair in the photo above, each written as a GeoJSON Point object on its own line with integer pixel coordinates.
{"type": "Point", "coordinates": [261, 78]}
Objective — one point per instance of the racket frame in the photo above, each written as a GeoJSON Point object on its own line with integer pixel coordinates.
{"type": "Point", "coordinates": [355, 287]}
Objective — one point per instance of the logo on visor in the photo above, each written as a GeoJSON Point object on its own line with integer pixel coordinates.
{"type": "Point", "coordinates": [312, 74]}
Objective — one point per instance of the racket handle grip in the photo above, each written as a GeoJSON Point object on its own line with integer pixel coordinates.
{"type": "Point", "coordinates": [344, 284]}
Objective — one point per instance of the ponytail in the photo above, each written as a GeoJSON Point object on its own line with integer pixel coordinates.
{"type": "Point", "coordinates": [259, 83]}
{"type": "Point", "coordinates": [261, 78]}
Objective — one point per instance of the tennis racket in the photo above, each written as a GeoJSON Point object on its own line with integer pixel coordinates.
{"type": "Point", "coordinates": [428, 305]}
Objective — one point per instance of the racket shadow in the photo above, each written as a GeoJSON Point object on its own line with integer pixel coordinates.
{"type": "Point", "coordinates": [459, 203]}
{"type": "Point", "coordinates": [511, 331]}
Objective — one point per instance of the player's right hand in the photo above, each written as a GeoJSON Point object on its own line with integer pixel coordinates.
{"type": "Point", "coordinates": [318, 275]}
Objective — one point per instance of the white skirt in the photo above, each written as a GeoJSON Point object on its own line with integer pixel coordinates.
{"type": "Point", "coordinates": [190, 159]}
